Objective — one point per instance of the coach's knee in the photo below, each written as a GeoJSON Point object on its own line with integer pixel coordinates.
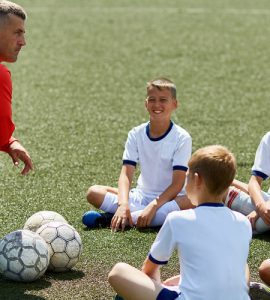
{"type": "Point", "coordinates": [264, 271]}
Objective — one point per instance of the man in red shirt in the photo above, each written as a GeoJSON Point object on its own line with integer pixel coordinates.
{"type": "Point", "coordinates": [12, 31]}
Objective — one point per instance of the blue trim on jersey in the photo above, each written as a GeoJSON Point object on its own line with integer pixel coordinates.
{"type": "Point", "coordinates": [157, 262]}
{"type": "Point", "coordinates": [160, 137]}
{"type": "Point", "coordinates": [129, 162]}
{"type": "Point", "coordinates": [181, 168]}
{"type": "Point", "coordinates": [259, 174]}
{"type": "Point", "coordinates": [213, 204]}
{"type": "Point", "coordinates": [166, 294]}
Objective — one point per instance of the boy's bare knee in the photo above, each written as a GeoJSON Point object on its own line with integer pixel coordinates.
{"type": "Point", "coordinates": [264, 271]}
{"type": "Point", "coordinates": [116, 272]}
{"type": "Point", "coordinates": [93, 195]}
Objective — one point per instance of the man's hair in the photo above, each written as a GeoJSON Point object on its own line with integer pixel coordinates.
{"type": "Point", "coordinates": [9, 8]}
{"type": "Point", "coordinates": [161, 84]}
{"type": "Point", "coordinates": [216, 165]}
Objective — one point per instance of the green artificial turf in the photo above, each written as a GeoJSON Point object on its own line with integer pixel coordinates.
{"type": "Point", "coordinates": [79, 87]}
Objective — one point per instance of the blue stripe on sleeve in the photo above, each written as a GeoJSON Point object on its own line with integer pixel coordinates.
{"type": "Point", "coordinates": [181, 168]}
{"type": "Point", "coordinates": [129, 162]}
{"type": "Point", "coordinates": [259, 174]}
{"type": "Point", "coordinates": [157, 262]}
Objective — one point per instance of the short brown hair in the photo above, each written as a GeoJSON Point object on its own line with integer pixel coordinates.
{"type": "Point", "coordinates": [7, 8]}
{"type": "Point", "coordinates": [163, 83]}
{"type": "Point", "coordinates": [217, 166]}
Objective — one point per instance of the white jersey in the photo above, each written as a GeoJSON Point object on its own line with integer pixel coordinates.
{"type": "Point", "coordinates": [261, 165]}
{"type": "Point", "coordinates": [158, 157]}
{"type": "Point", "coordinates": [213, 244]}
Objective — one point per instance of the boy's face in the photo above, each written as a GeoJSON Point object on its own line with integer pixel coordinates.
{"type": "Point", "coordinates": [159, 103]}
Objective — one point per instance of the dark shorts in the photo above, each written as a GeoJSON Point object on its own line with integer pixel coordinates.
{"type": "Point", "coordinates": [166, 294]}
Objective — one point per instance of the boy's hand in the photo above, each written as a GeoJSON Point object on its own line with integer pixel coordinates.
{"type": "Point", "coordinates": [144, 220]}
{"type": "Point", "coordinates": [264, 212]}
{"type": "Point", "coordinates": [121, 218]}
{"type": "Point", "coordinates": [253, 217]}
{"type": "Point", "coordinates": [17, 152]}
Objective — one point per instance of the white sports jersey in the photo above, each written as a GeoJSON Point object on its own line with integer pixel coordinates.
{"type": "Point", "coordinates": [158, 157]}
{"type": "Point", "coordinates": [261, 165]}
{"type": "Point", "coordinates": [213, 244]}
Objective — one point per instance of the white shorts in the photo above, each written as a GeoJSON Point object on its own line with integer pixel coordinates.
{"type": "Point", "coordinates": [137, 201]}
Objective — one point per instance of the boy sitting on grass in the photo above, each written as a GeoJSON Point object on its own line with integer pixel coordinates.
{"type": "Point", "coordinates": [212, 241]}
{"type": "Point", "coordinates": [250, 199]}
{"type": "Point", "coordinates": [162, 149]}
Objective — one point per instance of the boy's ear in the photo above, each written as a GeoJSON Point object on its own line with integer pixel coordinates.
{"type": "Point", "coordinates": [197, 179]}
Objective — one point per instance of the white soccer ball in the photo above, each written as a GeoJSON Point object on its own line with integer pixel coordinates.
{"type": "Point", "coordinates": [64, 243]}
{"type": "Point", "coordinates": [24, 256]}
{"type": "Point", "coordinates": [42, 217]}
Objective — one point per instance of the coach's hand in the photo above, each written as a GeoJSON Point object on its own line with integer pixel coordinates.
{"type": "Point", "coordinates": [121, 218]}
{"type": "Point", "coordinates": [145, 218]}
{"type": "Point", "coordinates": [17, 152]}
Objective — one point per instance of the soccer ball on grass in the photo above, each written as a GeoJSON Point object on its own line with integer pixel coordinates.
{"type": "Point", "coordinates": [64, 243]}
{"type": "Point", "coordinates": [24, 256]}
{"type": "Point", "coordinates": [42, 217]}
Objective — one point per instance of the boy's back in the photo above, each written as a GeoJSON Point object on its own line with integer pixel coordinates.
{"type": "Point", "coordinates": [213, 245]}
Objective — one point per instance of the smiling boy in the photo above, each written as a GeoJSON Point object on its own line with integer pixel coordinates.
{"type": "Point", "coordinates": [162, 149]}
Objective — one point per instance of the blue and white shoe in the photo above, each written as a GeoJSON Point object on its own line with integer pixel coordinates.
{"type": "Point", "coordinates": [259, 291]}
{"type": "Point", "coordinates": [94, 219]}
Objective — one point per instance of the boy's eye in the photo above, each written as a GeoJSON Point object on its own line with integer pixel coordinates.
{"type": "Point", "coordinates": [151, 100]}
{"type": "Point", "coordinates": [163, 100]}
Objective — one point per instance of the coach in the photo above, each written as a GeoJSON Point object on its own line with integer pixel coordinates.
{"type": "Point", "coordinates": [12, 31]}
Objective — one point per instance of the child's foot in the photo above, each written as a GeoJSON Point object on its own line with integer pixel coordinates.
{"type": "Point", "coordinates": [94, 219]}
{"type": "Point", "coordinates": [259, 291]}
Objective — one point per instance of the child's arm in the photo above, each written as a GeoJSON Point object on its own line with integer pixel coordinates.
{"type": "Point", "coordinates": [262, 208]}
{"type": "Point", "coordinates": [170, 193]}
{"type": "Point", "coordinates": [172, 281]}
{"type": "Point", "coordinates": [122, 215]}
{"type": "Point", "coordinates": [151, 269]}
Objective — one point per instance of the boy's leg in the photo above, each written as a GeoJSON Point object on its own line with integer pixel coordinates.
{"type": "Point", "coordinates": [104, 198]}
{"type": "Point", "coordinates": [160, 215]}
{"type": "Point", "coordinates": [240, 201]}
{"type": "Point", "coordinates": [180, 203]}
{"type": "Point", "coordinates": [96, 194]}
{"type": "Point", "coordinates": [240, 185]}
{"type": "Point", "coordinates": [132, 284]}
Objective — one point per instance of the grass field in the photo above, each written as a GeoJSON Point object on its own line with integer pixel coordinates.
{"type": "Point", "coordinates": [79, 87]}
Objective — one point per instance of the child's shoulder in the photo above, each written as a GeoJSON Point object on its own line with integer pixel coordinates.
{"type": "Point", "coordinates": [181, 131]}
{"type": "Point", "coordinates": [266, 137]}
{"type": "Point", "coordinates": [139, 128]}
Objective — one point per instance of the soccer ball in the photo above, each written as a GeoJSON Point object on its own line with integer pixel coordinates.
{"type": "Point", "coordinates": [24, 256]}
{"type": "Point", "coordinates": [42, 217]}
{"type": "Point", "coordinates": [64, 243]}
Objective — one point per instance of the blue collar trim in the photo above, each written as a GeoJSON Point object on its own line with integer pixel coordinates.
{"type": "Point", "coordinates": [160, 137]}
{"type": "Point", "coordinates": [213, 204]}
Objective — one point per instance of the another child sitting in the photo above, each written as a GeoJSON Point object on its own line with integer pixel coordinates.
{"type": "Point", "coordinates": [212, 241]}
{"type": "Point", "coordinates": [249, 199]}
{"type": "Point", "coordinates": [162, 149]}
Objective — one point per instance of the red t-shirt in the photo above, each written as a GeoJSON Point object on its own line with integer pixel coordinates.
{"type": "Point", "coordinates": [6, 125]}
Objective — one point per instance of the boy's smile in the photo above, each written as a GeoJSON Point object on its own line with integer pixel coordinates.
{"type": "Point", "coordinates": [160, 102]}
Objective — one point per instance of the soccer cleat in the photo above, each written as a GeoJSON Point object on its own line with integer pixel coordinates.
{"type": "Point", "coordinates": [94, 219]}
{"type": "Point", "coordinates": [259, 291]}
